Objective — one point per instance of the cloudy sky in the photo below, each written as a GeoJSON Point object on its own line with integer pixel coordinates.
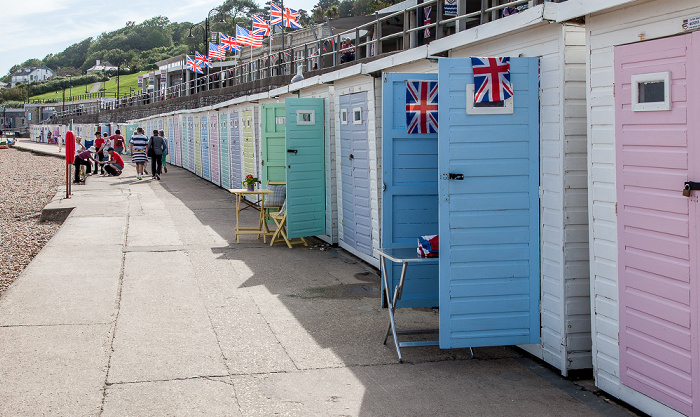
{"type": "Point", "coordinates": [35, 28]}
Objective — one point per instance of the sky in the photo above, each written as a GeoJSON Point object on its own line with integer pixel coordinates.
{"type": "Point", "coordinates": [36, 28]}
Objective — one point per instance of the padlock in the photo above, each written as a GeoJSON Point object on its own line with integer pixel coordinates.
{"type": "Point", "coordinates": [686, 190]}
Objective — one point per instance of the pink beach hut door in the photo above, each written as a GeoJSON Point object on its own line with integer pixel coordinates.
{"type": "Point", "coordinates": [657, 150]}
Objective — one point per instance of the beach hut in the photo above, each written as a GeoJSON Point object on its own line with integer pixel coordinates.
{"type": "Point", "coordinates": [558, 314]}
{"type": "Point", "coordinates": [214, 148]}
{"type": "Point", "coordinates": [642, 106]}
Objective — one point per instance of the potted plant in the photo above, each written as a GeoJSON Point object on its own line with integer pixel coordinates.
{"type": "Point", "coordinates": [249, 181]}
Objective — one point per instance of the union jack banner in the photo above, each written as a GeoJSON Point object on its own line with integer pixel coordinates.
{"type": "Point", "coordinates": [216, 52]}
{"type": "Point", "coordinates": [243, 36]}
{"type": "Point", "coordinates": [228, 43]}
{"type": "Point", "coordinates": [275, 15]}
{"type": "Point", "coordinates": [260, 26]}
{"type": "Point", "coordinates": [193, 65]}
{"type": "Point", "coordinates": [203, 60]}
{"type": "Point", "coordinates": [291, 18]}
{"type": "Point", "coordinates": [491, 79]}
{"type": "Point", "coordinates": [422, 106]}
{"type": "Point", "coordinates": [426, 20]}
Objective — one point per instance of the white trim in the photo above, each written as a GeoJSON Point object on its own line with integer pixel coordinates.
{"type": "Point", "coordinates": [637, 79]}
{"type": "Point", "coordinates": [356, 110]}
{"type": "Point", "coordinates": [471, 109]}
{"type": "Point", "coordinates": [302, 122]}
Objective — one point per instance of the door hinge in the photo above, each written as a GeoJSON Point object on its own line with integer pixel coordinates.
{"type": "Point", "coordinates": [541, 191]}
{"type": "Point", "coordinates": [613, 89]}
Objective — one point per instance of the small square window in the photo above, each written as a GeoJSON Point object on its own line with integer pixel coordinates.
{"type": "Point", "coordinates": [493, 107]}
{"type": "Point", "coordinates": [357, 115]}
{"type": "Point", "coordinates": [344, 116]}
{"type": "Point", "coordinates": [651, 92]}
{"type": "Point", "coordinates": [306, 117]}
{"type": "Point", "coordinates": [279, 120]}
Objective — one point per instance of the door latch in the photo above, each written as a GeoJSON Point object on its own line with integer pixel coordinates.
{"type": "Point", "coordinates": [352, 157]}
{"type": "Point", "coordinates": [452, 176]}
{"type": "Point", "coordinates": [689, 186]}
{"type": "Point", "coordinates": [294, 151]}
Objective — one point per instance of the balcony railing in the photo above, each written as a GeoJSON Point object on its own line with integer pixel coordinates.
{"type": "Point", "coordinates": [319, 54]}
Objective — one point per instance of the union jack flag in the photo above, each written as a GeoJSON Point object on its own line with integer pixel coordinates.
{"type": "Point", "coordinates": [193, 65]}
{"type": "Point", "coordinates": [243, 36]}
{"type": "Point", "coordinates": [216, 52]}
{"type": "Point", "coordinates": [491, 79]}
{"type": "Point", "coordinates": [291, 18]}
{"type": "Point", "coordinates": [203, 60]}
{"type": "Point", "coordinates": [228, 43]}
{"type": "Point", "coordinates": [260, 26]}
{"type": "Point", "coordinates": [422, 106]}
{"type": "Point", "coordinates": [275, 15]}
{"type": "Point", "coordinates": [426, 20]}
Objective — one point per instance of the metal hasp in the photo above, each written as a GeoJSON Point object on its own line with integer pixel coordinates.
{"type": "Point", "coordinates": [689, 186]}
{"type": "Point", "coordinates": [294, 151]}
{"type": "Point", "coordinates": [452, 176]}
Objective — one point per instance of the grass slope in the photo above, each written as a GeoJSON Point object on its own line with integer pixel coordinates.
{"type": "Point", "coordinates": [125, 81]}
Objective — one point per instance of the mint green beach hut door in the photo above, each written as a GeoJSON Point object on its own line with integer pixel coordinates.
{"type": "Point", "coordinates": [306, 185]}
{"type": "Point", "coordinates": [272, 147]}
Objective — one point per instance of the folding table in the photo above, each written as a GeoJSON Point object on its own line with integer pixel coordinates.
{"type": "Point", "coordinates": [262, 229]}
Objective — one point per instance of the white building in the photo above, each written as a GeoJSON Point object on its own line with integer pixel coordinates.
{"type": "Point", "coordinates": [27, 75]}
{"type": "Point", "coordinates": [101, 67]}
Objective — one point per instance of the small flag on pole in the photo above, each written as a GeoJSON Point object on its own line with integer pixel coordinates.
{"type": "Point", "coordinates": [260, 26]}
{"type": "Point", "coordinates": [215, 52]}
{"type": "Point", "coordinates": [229, 43]}
{"type": "Point", "coordinates": [193, 65]}
{"type": "Point", "coordinates": [291, 18]}
{"type": "Point", "coordinates": [275, 15]}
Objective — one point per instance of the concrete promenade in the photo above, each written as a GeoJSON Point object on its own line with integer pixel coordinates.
{"type": "Point", "coordinates": [143, 305]}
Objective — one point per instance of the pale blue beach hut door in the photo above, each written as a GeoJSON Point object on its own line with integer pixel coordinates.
{"type": "Point", "coordinates": [206, 149]}
{"type": "Point", "coordinates": [354, 163]}
{"type": "Point", "coordinates": [489, 210]}
{"type": "Point", "coordinates": [191, 157]}
{"type": "Point", "coordinates": [305, 167]}
{"type": "Point", "coordinates": [410, 198]}
{"type": "Point", "coordinates": [225, 152]}
{"type": "Point", "coordinates": [236, 157]}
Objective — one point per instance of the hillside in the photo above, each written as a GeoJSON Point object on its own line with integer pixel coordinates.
{"type": "Point", "coordinates": [125, 81]}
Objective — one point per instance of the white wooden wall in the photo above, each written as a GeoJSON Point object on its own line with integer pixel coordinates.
{"type": "Point", "coordinates": [565, 306]}
{"type": "Point", "coordinates": [604, 30]}
{"type": "Point", "coordinates": [352, 85]}
{"type": "Point", "coordinates": [327, 93]}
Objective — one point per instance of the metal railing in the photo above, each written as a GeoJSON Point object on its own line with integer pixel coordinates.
{"type": "Point", "coordinates": [319, 54]}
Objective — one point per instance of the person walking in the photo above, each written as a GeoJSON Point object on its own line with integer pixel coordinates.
{"type": "Point", "coordinates": [165, 151]}
{"type": "Point", "coordinates": [157, 145]}
{"type": "Point", "coordinates": [60, 141]}
{"type": "Point", "coordinates": [117, 141]}
{"type": "Point", "coordinates": [139, 151]}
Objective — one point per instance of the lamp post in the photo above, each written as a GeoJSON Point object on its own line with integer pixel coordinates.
{"type": "Point", "coordinates": [118, 65]}
{"type": "Point", "coordinates": [206, 27]}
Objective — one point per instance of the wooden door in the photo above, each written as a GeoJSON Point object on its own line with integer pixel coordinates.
{"type": "Point", "coordinates": [409, 202]}
{"type": "Point", "coordinates": [656, 145]}
{"type": "Point", "coordinates": [248, 143]}
{"type": "Point", "coordinates": [489, 218]}
{"type": "Point", "coordinates": [305, 167]}
{"type": "Point", "coordinates": [205, 148]}
{"type": "Point", "coordinates": [272, 142]}
{"type": "Point", "coordinates": [354, 163]}
{"type": "Point", "coordinates": [235, 154]}
{"type": "Point", "coordinates": [214, 164]}
{"type": "Point", "coordinates": [224, 150]}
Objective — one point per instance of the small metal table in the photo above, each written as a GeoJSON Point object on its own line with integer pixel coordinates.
{"type": "Point", "coordinates": [403, 256]}
{"type": "Point", "coordinates": [262, 229]}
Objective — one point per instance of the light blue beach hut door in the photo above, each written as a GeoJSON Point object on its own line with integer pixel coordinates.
{"type": "Point", "coordinates": [214, 144]}
{"type": "Point", "coordinates": [225, 153]}
{"type": "Point", "coordinates": [305, 167]}
{"type": "Point", "coordinates": [272, 147]}
{"type": "Point", "coordinates": [354, 163]}
{"type": "Point", "coordinates": [236, 156]}
{"type": "Point", "coordinates": [410, 198]}
{"type": "Point", "coordinates": [206, 150]}
{"type": "Point", "coordinates": [489, 210]}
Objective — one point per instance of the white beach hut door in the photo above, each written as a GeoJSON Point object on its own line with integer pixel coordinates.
{"type": "Point", "coordinates": [657, 150]}
{"type": "Point", "coordinates": [488, 159]}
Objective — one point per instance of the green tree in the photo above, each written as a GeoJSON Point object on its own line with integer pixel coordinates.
{"type": "Point", "coordinates": [345, 8]}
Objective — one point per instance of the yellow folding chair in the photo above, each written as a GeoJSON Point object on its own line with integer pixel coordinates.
{"type": "Point", "coordinates": [280, 219]}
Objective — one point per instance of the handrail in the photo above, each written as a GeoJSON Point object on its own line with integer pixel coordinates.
{"type": "Point", "coordinates": [310, 55]}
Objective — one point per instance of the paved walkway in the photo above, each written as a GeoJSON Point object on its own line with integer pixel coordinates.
{"type": "Point", "coordinates": [143, 304]}
{"type": "Point", "coordinates": [96, 87]}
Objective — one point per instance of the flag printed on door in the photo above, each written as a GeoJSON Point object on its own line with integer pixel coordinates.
{"type": "Point", "coordinates": [422, 106]}
{"type": "Point", "coordinates": [491, 79]}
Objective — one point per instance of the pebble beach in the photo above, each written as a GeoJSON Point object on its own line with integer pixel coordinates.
{"type": "Point", "coordinates": [27, 184]}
